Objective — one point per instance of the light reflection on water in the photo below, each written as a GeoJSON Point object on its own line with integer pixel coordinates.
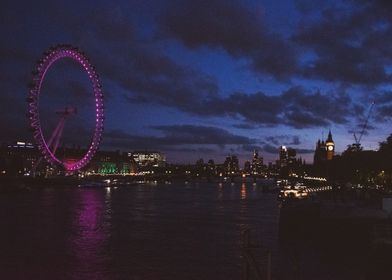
{"type": "Point", "coordinates": [243, 191]}
{"type": "Point", "coordinates": [156, 231]}
{"type": "Point", "coordinates": [91, 229]}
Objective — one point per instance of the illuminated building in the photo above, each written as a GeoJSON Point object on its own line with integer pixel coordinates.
{"type": "Point", "coordinates": [18, 158]}
{"type": "Point", "coordinates": [330, 146]}
{"type": "Point", "coordinates": [257, 163]}
{"type": "Point", "coordinates": [288, 164]}
{"type": "Point", "coordinates": [283, 156]}
{"type": "Point", "coordinates": [106, 162]}
{"type": "Point", "coordinates": [231, 165]}
{"type": "Point", "coordinates": [325, 150]}
{"type": "Point", "coordinates": [148, 158]}
{"type": "Point", "coordinates": [108, 168]}
{"type": "Point", "coordinates": [291, 156]}
{"type": "Point", "coordinates": [111, 162]}
{"type": "Point", "coordinates": [247, 166]}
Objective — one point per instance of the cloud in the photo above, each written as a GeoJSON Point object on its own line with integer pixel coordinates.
{"type": "Point", "coordinates": [283, 140]}
{"type": "Point", "coordinates": [349, 46]}
{"type": "Point", "coordinates": [195, 150]}
{"type": "Point", "coordinates": [177, 135]}
{"type": "Point", "coordinates": [295, 140]}
{"type": "Point", "coordinates": [351, 43]}
{"type": "Point", "coordinates": [273, 149]}
{"type": "Point", "coordinates": [143, 72]}
{"type": "Point", "coordinates": [268, 148]}
{"type": "Point", "coordinates": [382, 98]}
{"type": "Point", "coordinates": [152, 77]}
{"type": "Point", "coordinates": [295, 107]}
{"type": "Point", "coordinates": [251, 148]}
{"type": "Point", "coordinates": [147, 75]}
{"type": "Point", "coordinates": [384, 113]}
{"type": "Point", "coordinates": [191, 134]}
{"type": "Point", "coordinates": [121, 56]}
{"type": "Point", "coordinates": [245, 126]}
{"type": "Point", "coordinates": [230, 26]}
{"type": "Point", "coordinates": [67, 90]}
{"type": "Point", "coordinates": [304, 151]}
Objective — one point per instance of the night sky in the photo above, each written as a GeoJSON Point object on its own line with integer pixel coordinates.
{"type": "Point", "coordinates": [204, 78]}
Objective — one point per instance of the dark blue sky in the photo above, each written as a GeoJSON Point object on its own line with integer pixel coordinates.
{"type": "Point", "coordinates": [205, 78]}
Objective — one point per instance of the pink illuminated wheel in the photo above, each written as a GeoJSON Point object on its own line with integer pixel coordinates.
{"type": "Point", "coordinates": [50, 57]}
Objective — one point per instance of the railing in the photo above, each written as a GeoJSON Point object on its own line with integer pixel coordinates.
{"type": "Point", "coordinates": [382, 233]}
{"type": "Point", "coordinates": [256, 258]}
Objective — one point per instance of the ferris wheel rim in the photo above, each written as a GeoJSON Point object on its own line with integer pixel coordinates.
{"type": "Point", "coordinates": [43, 65]}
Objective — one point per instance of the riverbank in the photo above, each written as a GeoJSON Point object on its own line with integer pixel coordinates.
{"type": "Point", "coordinates": [351, 233]}
{"type": "Point", "coordinates": [16, 184]}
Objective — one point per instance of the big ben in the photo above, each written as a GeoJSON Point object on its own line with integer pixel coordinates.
{"type": "Point", "coordinates": [330, 146]}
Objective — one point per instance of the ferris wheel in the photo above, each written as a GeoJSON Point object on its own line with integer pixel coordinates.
{"type": "Point", "coordinates": [48, 148]}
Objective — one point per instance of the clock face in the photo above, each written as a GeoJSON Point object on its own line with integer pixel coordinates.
{"type": "Point", "coordinates": [330, 148]}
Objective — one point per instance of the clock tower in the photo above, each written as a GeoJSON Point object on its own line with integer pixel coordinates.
{"type": "Point", "coordinates": [330, 146]}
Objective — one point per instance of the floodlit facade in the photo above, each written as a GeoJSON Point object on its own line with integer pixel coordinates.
{"type": "Point", "coordinates": [148, 158]}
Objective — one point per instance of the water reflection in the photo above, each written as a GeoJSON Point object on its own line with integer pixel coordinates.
{"type": "Point", "coordinates": [139, 232]}
{"type": "Point", "coordinates": [243, 191]}
{"type": "Point", "coordinates": [220, 191]}
{"type": "Point", "coordinates": [108, 193]}
{"type": "Point", "coordinates": [91, 226]}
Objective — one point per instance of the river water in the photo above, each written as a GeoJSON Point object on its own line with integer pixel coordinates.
{"type": "Point", "coordinates": [149, 231]}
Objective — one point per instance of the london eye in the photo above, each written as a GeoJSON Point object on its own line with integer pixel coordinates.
{"type": "Point", "coordinates": [48, 147]}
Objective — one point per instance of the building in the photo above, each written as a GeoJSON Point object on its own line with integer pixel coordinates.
{"type": "Point", "coordinates": [247, 166]}
{"type": "Point", "coordinates": [325, 150]}
{"type": "Point", "coordinates": [291, 156]}
{"type": "Point", "coordinates": [231, 165]}
{"type": "Point", "coordinates": [330, 146]}
{"type": "Point", "coordinates": [148, 158]}
{"type": "Point", "coordinates": [287, 164]}
{"type": "Point", "coordinates": [257, 163]}
{"type": "Point", "coordinates": [320, 154]}
{"type": "Point", "coordinates": [105, 163]}
{"type": "Point", "coordinates": [211, 167]}
{"type": "Point", "coordinates": [283, 156]}
{"type": "Point", "coordinates": [18, 158]}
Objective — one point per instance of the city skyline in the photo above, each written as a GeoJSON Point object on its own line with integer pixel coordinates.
{"type": "Point", "coordinates": [206, 80]}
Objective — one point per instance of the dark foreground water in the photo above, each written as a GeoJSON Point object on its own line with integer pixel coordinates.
{"type": "Point", "coordinates": [155, 231]}
{"type": "Point", "coordinates": [176, 231]}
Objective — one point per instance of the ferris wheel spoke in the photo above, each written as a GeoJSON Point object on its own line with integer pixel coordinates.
{"type": "Point", "coordinates": [55, 132]}
{"type": "Point", "coordinates": [58, 137]}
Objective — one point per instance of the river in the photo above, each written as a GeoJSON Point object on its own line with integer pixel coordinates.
{"type": "Point", "coordinates": [150, 231]}
{"type": "Point", "coordinates": [147, 231]}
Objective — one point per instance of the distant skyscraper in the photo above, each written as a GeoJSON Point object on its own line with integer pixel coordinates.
{"type": "Point", "coordinates": [247, 166]}
{"type": "Point", "coordinates": [283, 156]}
{"type": "Point", "coordinates": [291, 156]}
{"type": "Point", "coordinates": [231, 164]}
{"type": "Point", "coordinates": [257, 163]}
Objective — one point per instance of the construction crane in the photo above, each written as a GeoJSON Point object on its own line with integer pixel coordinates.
{"type": "Point", "coordinates": [357, 145]}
